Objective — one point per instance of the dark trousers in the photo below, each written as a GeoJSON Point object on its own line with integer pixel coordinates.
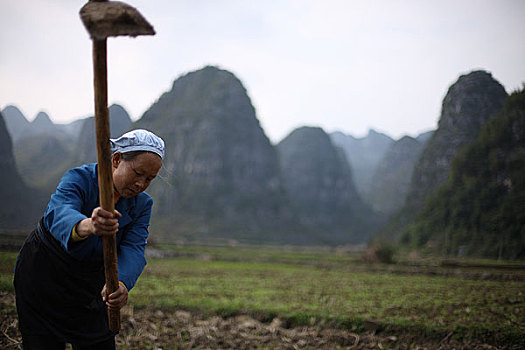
{"type": "Point", "coordinates": [50, 343]}
{"type": "Point", "coordinates": [58, 298]}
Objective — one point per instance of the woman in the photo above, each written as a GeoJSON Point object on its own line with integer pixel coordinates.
{"type": "Point", "coordinates": [59, 275]}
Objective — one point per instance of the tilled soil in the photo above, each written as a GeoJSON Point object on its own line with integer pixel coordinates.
{"type": "Point", "coordinates": [157, 329]}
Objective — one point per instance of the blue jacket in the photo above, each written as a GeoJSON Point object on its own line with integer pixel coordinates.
{"type": "Point", "coordinates": [74, 200]}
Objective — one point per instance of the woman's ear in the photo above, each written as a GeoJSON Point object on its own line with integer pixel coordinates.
{"type": "Point", "coordinates": [116, 159]}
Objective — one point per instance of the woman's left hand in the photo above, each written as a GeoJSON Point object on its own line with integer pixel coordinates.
{"type": "Point", "coordinates": [116, 300]}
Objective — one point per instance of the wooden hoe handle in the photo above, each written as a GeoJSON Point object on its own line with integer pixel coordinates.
{"type": "Point", "coordinates": [104, 19]}
{"type": "Point", "coordinates": [105, 178]}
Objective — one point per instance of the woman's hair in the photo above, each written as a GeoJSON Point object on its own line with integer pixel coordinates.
{"type": "Point", "coordinates": [130, 155]}
{"type": "Point", "coordinates": [127, 156]}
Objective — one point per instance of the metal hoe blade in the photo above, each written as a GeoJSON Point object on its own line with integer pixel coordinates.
{"type": "Point", "coordinates": [103, 19]}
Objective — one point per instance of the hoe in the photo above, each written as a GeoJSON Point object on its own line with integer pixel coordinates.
{"type": "Point", "coordinates": [103, 19]}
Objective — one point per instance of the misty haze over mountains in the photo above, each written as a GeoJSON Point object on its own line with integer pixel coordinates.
{"type": "Point", "coordinates": [223, 180]}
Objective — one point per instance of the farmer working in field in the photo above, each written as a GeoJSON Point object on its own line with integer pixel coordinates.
{"type": "Point", "coordinates": [59, 276]}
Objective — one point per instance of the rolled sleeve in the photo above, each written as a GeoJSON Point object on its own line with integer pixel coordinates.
{"type": "Point", "coordinates": [64, 209]}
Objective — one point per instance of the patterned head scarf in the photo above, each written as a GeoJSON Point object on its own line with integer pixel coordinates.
{"type": "Point", "coordinates": [138, 140]}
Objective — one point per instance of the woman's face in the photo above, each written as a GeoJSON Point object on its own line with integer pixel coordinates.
{"type": "Point", "coordinates": [131, 177]}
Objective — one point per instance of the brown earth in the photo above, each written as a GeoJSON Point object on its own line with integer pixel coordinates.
{"type": "Point", "coordinates": [158, 329]}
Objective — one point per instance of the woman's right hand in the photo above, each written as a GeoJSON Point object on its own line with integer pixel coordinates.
{"type": "Point", "coordinates": [101, 222]}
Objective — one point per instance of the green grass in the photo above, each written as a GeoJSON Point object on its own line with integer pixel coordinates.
{"type": "Point", "coordinates": [304, 287]}
{"type": "Point", "coordinates": [293, 255]}
{"type": "Point", "coordinates": [334, 290]}
{"type": "Point", "coordinates": [7, 267]}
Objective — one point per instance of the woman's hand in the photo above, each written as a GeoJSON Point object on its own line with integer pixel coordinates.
{"type": "Point", "coordinates": [101, 222]}
{"type": "Point", "coordinates": [116, 300]}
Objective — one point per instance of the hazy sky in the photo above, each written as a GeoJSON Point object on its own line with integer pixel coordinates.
{"type": "Point", "coordinates": [342, 65]}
